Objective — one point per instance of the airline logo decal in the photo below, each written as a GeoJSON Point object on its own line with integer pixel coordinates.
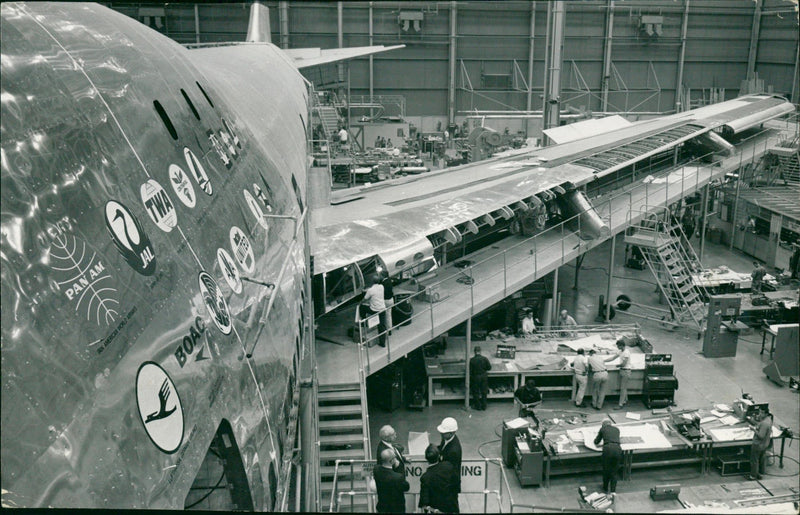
{"type": "Point", "coordinates": [215, 303]}
{"type": "Point", "coordinates": [160, 408]}
{"type": "Point", "coordinates": [198, 172]}
{"type": "Point", "coordinates": [182, 186]}
{"type": "Point", "coordinates": [261, 196]}
{"type": "Point", "coordinates": [86, 282]}
{"type": "Point", "coordinates": [130, 239]}
{"type": "Point", "coordinates": [242, 250]}
{"type": "Point", "coordinates": [229, 270]}
{"type": "Point", "coordinates": [256, 210]}
{"type": "Point", "coordinates": [159, 206]}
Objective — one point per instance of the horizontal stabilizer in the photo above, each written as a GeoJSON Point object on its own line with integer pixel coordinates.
{"type": "Point", "coordinates": [305, 57]}
{"type": "Point", "coordinates": [585, 129]}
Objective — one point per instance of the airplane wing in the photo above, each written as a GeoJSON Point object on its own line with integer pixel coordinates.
{"type": "Point", "coordinates": [307, 57]}
{"type": "Point", "coordinates": [397, 214]}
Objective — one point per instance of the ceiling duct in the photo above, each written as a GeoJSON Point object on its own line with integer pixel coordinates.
{"type": "Point", "coordinates": [408, 18]}
{"type": "Point", "coordinates": [650, 25]}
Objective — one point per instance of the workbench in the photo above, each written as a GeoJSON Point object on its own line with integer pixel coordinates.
{"type": "Point", "coordinates": [721, 443]}
{"type": "Point", "coordinates": [545, 356]}
{"type": "Point", "coordinates": [722, 280]}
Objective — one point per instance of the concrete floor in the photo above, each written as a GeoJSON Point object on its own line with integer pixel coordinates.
{"type": "Point", "coordinates": [702, 382]}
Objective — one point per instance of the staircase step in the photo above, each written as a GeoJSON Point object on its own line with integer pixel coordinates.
{"type": "Point", "coordinates": [338, 387]}
{"type": "Point", "coordinates": [345, 395]}
{"type": "Point", "coordinates": [341, 439]}
{"type": "Point", "coordinates": [340, 424]}
{"type": "Point", "coordinates": [344, 409]}
{"type": "Point", "coordinates": [327, 471]}
{"type": "Point", "coordinates": [344, 454]}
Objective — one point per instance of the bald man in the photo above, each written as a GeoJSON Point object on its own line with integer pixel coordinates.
{"type": "Point", "coordinates": [612, 454]}
{"type": "Point", "coordinates": [388, 438]}
{"type": "Point", "coordinates": [390, 485]}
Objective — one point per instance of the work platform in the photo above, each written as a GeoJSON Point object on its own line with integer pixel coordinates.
{"type": "Point", "coordinates": [497, 271]}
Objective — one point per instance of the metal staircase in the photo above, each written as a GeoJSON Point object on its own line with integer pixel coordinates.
{"type": "Point", "coordinates": [660, 238]}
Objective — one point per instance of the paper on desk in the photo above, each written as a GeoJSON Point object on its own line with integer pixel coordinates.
{"type": "Point", "coordinates": [729, 420]}
{"type": "Point", "coordinates": [633, 416]}
{"type": "Point", "coordinates": [705, 420]}
{"type": "Point", "coordinates": [417, 443]}
{"type": "Point", "coordinates": [724, 407]}
{"type": "Point", "coordinates": [717, 413]}
{"type": "Point", "coordinates": [516, 423]}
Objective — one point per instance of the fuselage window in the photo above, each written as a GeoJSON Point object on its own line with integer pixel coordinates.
{"type": "Point", "coordinates": [297, 193]}
{"type": "Point", "coordinates": [205, 94]}
{"type": "Point", "coordinates": [165, 118]}
{"type": "Point", "coordinates": [191, 104]}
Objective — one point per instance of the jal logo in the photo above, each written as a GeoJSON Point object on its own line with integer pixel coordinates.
{"type": "Point", "coordinates": [181, 185]}
{"type": "Point", "coordinates": [242, 250]}
{"type": "Point", "coordinates": [256, 210]}
{"type": "Point", "coordinates": [215, 303]}
{"type": "Point", "coordinates": [160, 408]}
{"type": "Point", "coordinates": [197, 171]}
{"type": "Point", "coordinates": [130, 239]}
{"type": "Point", "coordinates": [159, 206]}
{"type": "Point", "coordinates": [229, 270]}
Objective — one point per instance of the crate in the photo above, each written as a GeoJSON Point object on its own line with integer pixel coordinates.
{"type": "Point", "coordinates": [733, 464]}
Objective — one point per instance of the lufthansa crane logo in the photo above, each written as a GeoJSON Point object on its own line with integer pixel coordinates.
{"type": "Point", "coordinates": [159, 406]}
{"type": "Point", "coordinates": [215, 303]}
{"type": "Point", "coordinates": [130, 239]}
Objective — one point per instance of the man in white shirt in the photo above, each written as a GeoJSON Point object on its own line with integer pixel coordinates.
{"type": "Point", "coordinates": [599, 379]}
{"type": "Point", "coordinates": [580, 379]}
{"type": "Point", "coordinates": [528, 326]}
{"type": "Point", "coordinates": [624, 356]}
{"type": "Point", "coordinates": [376, 304]}
{"type": "Point", "coordinates": [565, 321]}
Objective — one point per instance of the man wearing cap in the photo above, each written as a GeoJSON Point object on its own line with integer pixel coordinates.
{"type": "Point", "coordinates": [389, 441]}
{"type": "Point", "coordinates": [390, 485]}
{"type": "Point", "coordinates": [479, 367]}
{"type": "Point", "coordinates": [450, 448]}
{"type": "Point", "coordinates": [612, 454]}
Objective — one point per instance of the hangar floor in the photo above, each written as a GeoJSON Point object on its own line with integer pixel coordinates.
{"type": "Point", "coordinates": [702, 382]}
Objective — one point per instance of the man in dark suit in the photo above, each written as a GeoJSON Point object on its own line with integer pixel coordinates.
{"type": "Point", "coordinates": [612, 454]}
{"type": "Point", "coordinates": [389, 441]}
{"type": "Point", "coordinates": [479, 367]}
{"type": "Point", "coordinates": [450, 448]}
{"type": "Point", "coordinates": [437, 488]}
{"type": "Point", "coordinates": [390, 485]}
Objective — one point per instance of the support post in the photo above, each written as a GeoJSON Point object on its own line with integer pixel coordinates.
{"type": "Point", "coordinates": [340, 38]}
{"type": "Point", "coordinates": [607, 54]}
{"type": "Point", "coordinates": [451, 82]}
{"type": "Point", "coordinates": [196, 24]}
{"type": "Point", "coordinates": [283, 14]}
{"type": "Point", "coordinates": [371, 69]}
{"type": "Point", "coordinates": [532, 31]}
{"type": "Point", "coordinates": [607, 314]}
{"type": "Point", "coordinates": [578, 263]}
{"type": "Point", "coordinates": [552, 110]}
{"type": "Point", "coordinates": [735, 207]}
{"type": "Point", "coordinates": [705, 221]}
{"type": "Point", "coordinates": [752, 54]}
{"type": "Point", "coordinates": [466, 361]}
{"type": "Point", "coordinates": [554, 316]}
{"type": "Point", "coordinates": [681, 104]}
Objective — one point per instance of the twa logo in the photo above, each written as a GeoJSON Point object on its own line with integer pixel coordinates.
{"type": "Point", "coordinates": [129, 238]}
{"type": "Point", "coordinates": [159, 206]}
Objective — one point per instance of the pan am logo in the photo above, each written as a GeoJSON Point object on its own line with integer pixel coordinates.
{"type": "Point", "coordinates": [256, 210]}
{"type": "Point", "coordinates": [159, 406]}
{"type": "Point", "coordinates": [198, 172]}
{"type": "Point", "coordinates": [130, 239]}
{"type": "Point", "coordinates": [159, 206]}
{"type": "Point", "coordinates": [182, 186]}
{"type": "Point", "coordinates": [215, 303]}
{"type": "Point", "coordinates": [242, 250]}
{"type": "Point", "coordinates": [229, 270]}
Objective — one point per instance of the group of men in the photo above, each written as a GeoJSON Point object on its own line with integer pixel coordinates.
{"type": "Point", "coordinates": [439, 485]}
{"type": "Point", "coordinates": [594, 368]}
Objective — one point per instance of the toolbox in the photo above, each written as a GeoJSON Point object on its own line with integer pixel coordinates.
{"type": "Point", "coordinates": [665, 492]}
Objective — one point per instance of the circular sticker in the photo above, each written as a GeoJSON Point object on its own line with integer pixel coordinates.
{"type": "Point", "coordinates": [159, 206]}
{"type": "Point", "coordinates": [159, 407]}
{"type": "Point", "coordinates": [256, 210]}
{"type": "Point", "coordinates": [229, 270]}
{"type": "Point", "coordinates": [182, 186]}
{"type": "Point", "coordinates": [197, 171]}
{"type": "Point", "coordinates": [129, 238]}
{"type": "Point", "coordinates": [242, 250]}
{"type": "Point", "coordinates": [215, 303]}
{"type": "Point", "coordinates": [261, 196]}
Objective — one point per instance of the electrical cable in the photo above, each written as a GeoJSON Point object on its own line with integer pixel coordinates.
{"type": "Point", "coordinates": [211, 490]}
{"type": "Point", "coordinates": [485, 443]}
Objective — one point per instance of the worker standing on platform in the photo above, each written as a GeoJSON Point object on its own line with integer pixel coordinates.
{"type": "Point", "coordinates": [479, 367]}
{"type": "Point", "coordinates": [342, 137]}
{"type": "Point", "coordinates": [624, 356]}
{"type": "Point", "coordinates": [450, 448]}
{"type": "Point", "coordinates": [762, 440]}
{"type": "Point", "coordinates": [599, 379]}
{"type": "Point", "coordinates": [437, 486]}
{"type": "Point", "coordinates": [612, 454]}
{"type": "Point", "coordinates": [388, 438]}
{"type": "Point", "coordinates": [374, 296]}
{"type": "Point", "coordinates": [580, 379]}
{"type": "Point", "coordinates": [390, 485]}
{"type": "Point", "coordinates": [758, 276]}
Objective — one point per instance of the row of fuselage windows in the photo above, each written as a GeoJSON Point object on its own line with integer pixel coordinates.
{"type": "Point", "coordinates": [165, 119]}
